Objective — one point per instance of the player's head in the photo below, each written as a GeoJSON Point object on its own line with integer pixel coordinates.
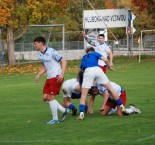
{"type": "Point", "coordinates": [90, 49]}
{"type": "Point", "coordinates": [39, 42]}
{"type": "Point", "coordinates": [93, 91]}
{"type": "Point", "coordinates": [101, 38]}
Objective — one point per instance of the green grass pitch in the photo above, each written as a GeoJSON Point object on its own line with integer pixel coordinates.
{"type": "Point", "coordinates": [23, 114]}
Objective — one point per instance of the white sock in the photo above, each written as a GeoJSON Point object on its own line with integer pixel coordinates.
{"type": "Point", "coordinates": [60, 108]}
{"type": "Point", "coordinates": [122, 106]}
{"type": "Point", "coordinates": [53, 107]}
{"type": "Point", "coordinates": [130, 110]}
{"type": "Point", "coordinates": [112, 111]}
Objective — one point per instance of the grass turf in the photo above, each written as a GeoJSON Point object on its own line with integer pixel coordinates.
{"type": "Point", "coordinates": [23, 115]}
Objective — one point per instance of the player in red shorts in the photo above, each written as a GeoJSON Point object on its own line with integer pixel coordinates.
{"type": "Point", "coordinates": [55, 76]}
{"type": "Point", "coordinates": [102, 48]}
{"type": "Point", "coordinates": [108, 102]}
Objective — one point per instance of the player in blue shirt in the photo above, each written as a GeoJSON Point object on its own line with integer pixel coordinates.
{"type": "Point", "coordinates": [92, 72]}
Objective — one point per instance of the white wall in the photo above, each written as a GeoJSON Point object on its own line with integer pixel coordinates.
{"type": "Point", "coordinates": [67, 54]}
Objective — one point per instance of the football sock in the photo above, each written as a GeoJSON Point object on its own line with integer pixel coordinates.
{"type": "Point", "coordinates": [53, 107]}
{"type": "Point", "coordinates": [119, 101]}
{"type": "Point", "coordinates": [86, 109]}
{"type": "Point", "coordinates": [71, 106]}
{"type": "Point", "coordinates": [82, 108]}
{"type": "Point", "coordinates": [60, 108]}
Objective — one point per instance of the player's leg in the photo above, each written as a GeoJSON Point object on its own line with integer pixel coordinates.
{"type": "Point", "coordinates": [105, 111]}
{"type": "Point", "coordinates": [119, 111]}
{"type": "Point", "coordinates": [88, 78]}
{"type": "Point", "coordinates": [54, 89]}
{"type": "Point", "coordinates": [116, 97]}
{"type": "Point", "coordinates": [82, 102]}
{"type": "Point", "coordinates": [108, 106]}
{"type": "Point", "coordinates": [70, 105]}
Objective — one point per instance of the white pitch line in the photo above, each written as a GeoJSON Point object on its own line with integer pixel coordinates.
{"type": "Point", "coordinates": [57, 141]}
{"type": "Point", "coordinates": [145, 138]}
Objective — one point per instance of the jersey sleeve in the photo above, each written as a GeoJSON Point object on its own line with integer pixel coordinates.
{"type": "Point", "coordinates": [98, 55]}
{"type": "Point", "coordinates": [107, 48]}
{"type": "Point", "coordinates": [55, 55]}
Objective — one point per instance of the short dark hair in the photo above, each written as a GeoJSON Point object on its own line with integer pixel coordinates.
{"type": "Point", "coordinates": [101, 35]}
{"type": "Point", "coordinates": [89, 49]}
{"type": "Point", "coordinates": [40, 39]}
{"type": "Point", "coordinates": [91, 90]}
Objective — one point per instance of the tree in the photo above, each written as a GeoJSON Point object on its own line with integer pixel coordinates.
{"type": "Point", "coordinates": [145, 12]}
{"type": "Point", "coordinates": [16, 15]}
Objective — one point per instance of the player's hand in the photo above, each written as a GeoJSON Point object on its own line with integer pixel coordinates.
{"type": "Point", "coordinates": [90, 111]}
{"type": "Point", "coordinates": [83, 34]}
{"type": "Point", "coordinates": [111, 65]}
{"type": "Point", "coordinates": [37, 78]}
{"type": "Point", "coordinates": [60, 78]}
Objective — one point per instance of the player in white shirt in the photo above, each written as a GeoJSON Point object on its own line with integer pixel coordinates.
{"type": "Point", "coordinates": [109, 103]}
{"type": "Point", "coordinates": [55, 76]}
{"type": "Point", "coordinates": [102, 48]}
{"type": "Point", "coordinates": [71, 90]}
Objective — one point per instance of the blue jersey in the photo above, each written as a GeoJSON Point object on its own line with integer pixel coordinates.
{"type": "Point", "coordinates": [90, 60]}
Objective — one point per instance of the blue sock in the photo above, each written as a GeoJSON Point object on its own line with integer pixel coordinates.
{"type": "Point", "coordinates": [71, 106]}
{"type": "Point", "coordinates": [81, 107]}
{"type": "Point", "coordinates": [86, 109]}
{"type": "Point", "coordinates": [119, 102]}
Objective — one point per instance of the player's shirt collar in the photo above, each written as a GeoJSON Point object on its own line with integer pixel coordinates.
{"type": "Point", "coordinates": [44, 51]}
{"type": "Point", "coordinates": [102, 43]}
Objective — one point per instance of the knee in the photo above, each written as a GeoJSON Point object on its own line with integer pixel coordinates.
{"type": "Point", "coordinates": [47, 98]}
{"type": "Point", "coordinates": [103, 113]}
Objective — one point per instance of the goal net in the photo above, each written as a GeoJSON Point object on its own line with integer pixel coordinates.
{"type": "Point", "coordinates": [24, 48]}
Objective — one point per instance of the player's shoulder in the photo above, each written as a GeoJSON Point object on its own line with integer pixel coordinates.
{"type": "Point", "coordinates": [51, 49]}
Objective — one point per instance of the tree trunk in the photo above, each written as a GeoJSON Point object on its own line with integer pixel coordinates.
{"type": "Point", "coordinates": [10, 46]}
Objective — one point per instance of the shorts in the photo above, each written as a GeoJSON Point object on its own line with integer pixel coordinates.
{"type": "Point", "coordinates": [104, 68]}
{"type": "Point", "coordinates": [112, 103]}
{"type": "Point", "coordinates": [68, 87]}
{"type": "Point", "coordinates": [76, 95]}
{"type": "Point", "coordinates": [52, 87]}
{"type": "Point", "coordinates": [92, 74]}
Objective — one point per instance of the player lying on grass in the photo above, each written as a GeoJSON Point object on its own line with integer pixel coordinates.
{"type": "Point", "coordinates": [108, 101]}
{"type": "Point", "coordinates": [92, 72]}
{"type": "Point", "coordinates": [71, 90]}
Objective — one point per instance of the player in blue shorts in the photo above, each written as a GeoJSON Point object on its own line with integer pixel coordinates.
{"type": "Point", "coordinates": [92, 72]}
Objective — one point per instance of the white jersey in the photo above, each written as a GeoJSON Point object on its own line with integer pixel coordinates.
{"type": "Point", "coordinates": [102, 49]}
{"type": "Point", "coordinates": [69, 86]}
{"type": "Point", "coordinates": [51, 60]}
{"type": "Point", "coordinates": [116, 87]}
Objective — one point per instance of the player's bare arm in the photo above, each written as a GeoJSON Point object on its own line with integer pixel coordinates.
{"type": "Point", "coordinates": [110, 57]}
{"type": "Point", "coordinates": [90, 109]}
{"type": "Point", "coordinates": [106, 61]}
{"type": "Point", "coordinates": [63, 65]}
{"type": "Point", "coordinates": [106, 96]}
{"type": "Point", "coordinates": [87, 39]}
{"type": "Point", "coordinates": [42, 71]}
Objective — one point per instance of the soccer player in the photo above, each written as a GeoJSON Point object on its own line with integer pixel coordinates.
{"type": "Point", "coordinates": [102, 48]}
{"type": "Point", "coordinates": [92, 72]}
{"type": "Point", "coordinates": [110, 103]}
{"type": "Point", "coordinates": [55, 76]}
{"type": "Point", "coordinates": [71, 90]}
